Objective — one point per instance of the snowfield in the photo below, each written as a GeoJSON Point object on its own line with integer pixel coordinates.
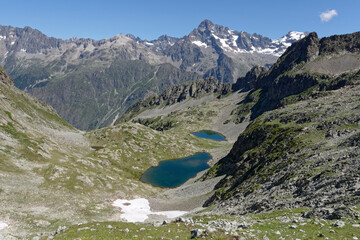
{"type": "Point", "coordinates": [3, 225]}
{"type": "Point", "coordinates": [200, 44]}
{"type": "Point", "coordinates": [137, 210]}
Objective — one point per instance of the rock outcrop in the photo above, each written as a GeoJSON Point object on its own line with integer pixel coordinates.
{"type": "Point", "coordinates": [180, 93]}
{"type": "Point", "coordinates": [5, 78]}
{"type": "Point", "coordinates": [304, 64]}
{"type": "Point", "coordinates": [301, 149]}
{"type": "Point", "coordinates": [248, 82]}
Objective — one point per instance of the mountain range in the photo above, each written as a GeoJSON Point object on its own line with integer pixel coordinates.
{"type": "Point", "coordinates": [91, 83]}
{"type": "Point", "coordinates": [303, 132]}
{"type": "Point", "coordinates": [289, 167]}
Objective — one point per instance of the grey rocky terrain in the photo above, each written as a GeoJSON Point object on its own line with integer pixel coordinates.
{"type": "Point", "coordinates": [302, 148]}
{"type": "Point", "coordinates": [289, 169]}
{"type": "Point", "coordinates": [91, 83]}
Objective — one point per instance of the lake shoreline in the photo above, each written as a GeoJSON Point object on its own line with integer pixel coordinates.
{"type": "Point", "coordinates": [174, 173]}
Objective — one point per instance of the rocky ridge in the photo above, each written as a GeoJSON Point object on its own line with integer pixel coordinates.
{"type": "Point", "coordinates": [301, 148]}
{"type": "Point", "coordinates": [298, 157]}
{"type": "Point", "coordinates": [5, 78]}
{"type": "Point", "coordinates": [117, 72]}
{"type": "Point", "coordinates": [177, 94]}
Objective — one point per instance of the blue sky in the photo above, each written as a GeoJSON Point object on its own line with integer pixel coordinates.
{"type": "Point", "coordinates": [150, 19]}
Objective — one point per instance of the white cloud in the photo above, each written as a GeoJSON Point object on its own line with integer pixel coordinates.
{"type": "Point", "coordinates": [328, 15]}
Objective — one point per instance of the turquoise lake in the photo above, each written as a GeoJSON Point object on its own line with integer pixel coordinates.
{"type": "Point", "coordinates": [210, 135]}
{"type": "Point", "coordinates": [173, 173]}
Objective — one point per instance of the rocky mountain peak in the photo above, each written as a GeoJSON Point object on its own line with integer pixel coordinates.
{"type": "Point", "coordinates": [26, 39]}
{"type": "Point", "coordinates": [35, 60]}
{"type": "Point", "coordinates": [300, 51]}
{"type": "Point", "coordinates": [235, 42]}
{"type": "Point", "coordinates": [132, 37]}
{"type": "Point", "coordinates": [206, 25]}
{"type": "Point", "coordinates": [209, 29]}
{"type": "Point", "coordinates": [164, 38]}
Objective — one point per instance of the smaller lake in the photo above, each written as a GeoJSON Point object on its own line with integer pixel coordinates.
{"type": "Point", "coordinates": [210, 135]}
{"type": "Point", "coordinates": [173, 173]}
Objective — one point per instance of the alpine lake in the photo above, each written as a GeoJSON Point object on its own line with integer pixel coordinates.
{"type": "Point", "coordinates": [173, 173]}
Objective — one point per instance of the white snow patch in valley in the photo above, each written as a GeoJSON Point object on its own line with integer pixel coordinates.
{"type": "Point", "coordinates": [12, 43]}
{"type": "Point", "coordinates": [2, 37]}
{"type": "Point", "coordinates": [3, 225]}
{"type": "Point", "coordinates": [22, 50]}
{"type": "Point", "coordinates": [150, 44]}
{"type": "Point", "coordinates": [137, 210]}
{"type": "Point", "coordinates": [200, 44]}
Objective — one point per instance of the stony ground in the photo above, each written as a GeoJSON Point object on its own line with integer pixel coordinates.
{"type": "Point", "coordinates": [54, 175]}
{"type": "Point", "coordinates": [285, 224]}
{"type": "Point", "coordinates": [305, 154]}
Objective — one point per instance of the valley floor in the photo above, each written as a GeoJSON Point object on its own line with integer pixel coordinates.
{"type": "Point", "coordinates": [67, 177]}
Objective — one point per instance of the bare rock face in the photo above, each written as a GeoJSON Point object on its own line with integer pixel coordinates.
{"type": "Point", "coordinates": [301, 149]}
{"type": "Point", "coordinates": [340, 43]}
{"type": "Point", "coordinates": [248, 82]}
{"type": "Point", "coordinates": [5, 78]}
{"type": "Point", "coordinates": [181, 93]}
{"type": "Point", "coordinates": [304, 64]}
{"type": "Point", "coordinates": [303, 50]}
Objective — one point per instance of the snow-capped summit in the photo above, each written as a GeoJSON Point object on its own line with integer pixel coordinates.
{"type": "Point", "coordinates": [231, 41]}
{"type": "Point", "coordinates": [215, 50]}
{"type": "Point", "coordinates": [289, 38]}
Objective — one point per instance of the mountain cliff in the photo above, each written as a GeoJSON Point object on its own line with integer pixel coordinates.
{"type": "Point", "coordinates": [301, 148]}
{"type": "Point", "coordinates": [91, 83]}
{"type": "Point", "coordinates": [4, 78]}
{"type": "Point", "coordinates": [177, 94]}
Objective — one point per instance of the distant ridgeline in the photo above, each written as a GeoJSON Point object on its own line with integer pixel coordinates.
{"type": "Point", "coordinates": [92, 83]}
{"type": "Point", "coordinates": [306, 63]}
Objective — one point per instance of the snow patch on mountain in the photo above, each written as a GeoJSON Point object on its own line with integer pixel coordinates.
{"type": "Point", "coordinates": [223, 41]}
{"type": "Point", "coordinates": [276, 47]}
{"type": "Point", "coordinates": [288, 39]}
{"type": "Point", "coordinates": [200, 44]}
{"type": "Point", "coordinates": [234, 38]}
